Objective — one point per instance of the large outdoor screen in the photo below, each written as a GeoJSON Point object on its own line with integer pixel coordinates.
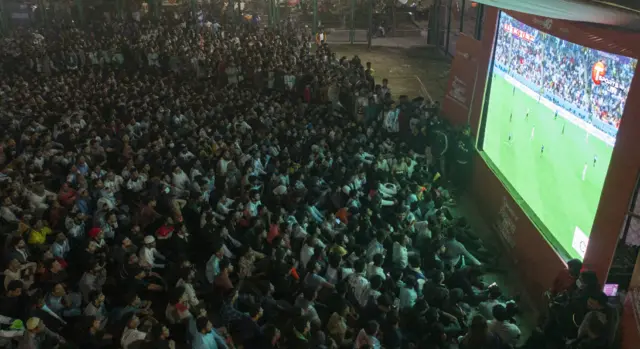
{"type": "Point", "coordinates": [552, 117]}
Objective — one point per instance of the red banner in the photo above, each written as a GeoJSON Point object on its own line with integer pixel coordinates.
{"type": "Point", "coordinates": [463, 77]}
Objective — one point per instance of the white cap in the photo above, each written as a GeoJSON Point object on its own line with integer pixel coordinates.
{"type": "Point", "coordinates": [149, 239]}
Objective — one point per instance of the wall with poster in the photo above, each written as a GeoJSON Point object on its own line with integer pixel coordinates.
{"type": "Point", "coordinates": [536, 261]}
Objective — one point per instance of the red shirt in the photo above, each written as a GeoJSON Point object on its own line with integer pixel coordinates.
{"type": "Point", "coordinates": [307, 95]}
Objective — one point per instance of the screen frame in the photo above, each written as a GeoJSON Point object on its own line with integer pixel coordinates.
{"type": "Point", "coordinates": [517, 198]}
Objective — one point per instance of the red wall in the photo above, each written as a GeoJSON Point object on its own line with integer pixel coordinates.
{"type": "Point", "coordinates": [535, 260]}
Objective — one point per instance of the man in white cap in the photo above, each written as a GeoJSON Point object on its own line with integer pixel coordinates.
{"type": "Point", "coordinates": [37, 335]}
{"type": "Point", "coordinates": [149, 253]}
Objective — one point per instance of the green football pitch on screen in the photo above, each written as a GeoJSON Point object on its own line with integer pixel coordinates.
{"type": "Point", "coordinates": [554, 166]}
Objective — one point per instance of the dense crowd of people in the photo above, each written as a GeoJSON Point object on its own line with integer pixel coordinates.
{"type": "Point", "coordinates": [564, 70]}
{"type": "Point", "coordinates": [171, 186]}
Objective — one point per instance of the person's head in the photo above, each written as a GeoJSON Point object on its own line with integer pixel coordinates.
{"type": "Point", "coordinates": [14, 265]}
{"type": "Point", "coordinates": [231, 296]}
{"type": "Point", "coordinates": [396, 274]}
{"type": "Point", "coordinates": [255, 311]}
{"type": "Point", "coordinates": [588, 280]}
{"type": "Point", "coordinates": [93, 323]}
{"type": "Point", "coordinates": [18, 242]}
{"type": "Point", "coordinates": [494, 292]}
{"type": "Point", "coordinates": [149, 241]}
{"type": "Point", "coordinates": [335, 260]}
{"type": "Point", "coordinates": [132, 320]}
{"type": "Point", "coordinates": [204, 325]}
{"type": "Point", "coordinates": [478, 329]}
{"type": "Point", "coordinates": [499, 312]}
{"type": "Point", "coordinates": [372, 328]}
{"type": "Point", "coordinates": [159, 332]}
{"type": "Point", "coordinates": [176, 295]}
{"type": "Point", "coordinates": [34, 325]}
{"type": "Point", "coordinates": [219, 251]}
{"type": "Point", "coordinates": [432, 315]}
{"type": "Point", "coordinates": [314, 266]}
{"type": "Point", "coordinates": [359, 266]}
{"type": "Point", "coordinates": [310, 294]}
{"type": "Point", "coordinates": [131, 299]}
{"type": "Point", "coordinates": [414, 261]}
{"type": "Point", "coordinates": [58, 290]}
{"type": "Point", "coordinates": [402, 239]}
{"type": "Point", "coordinates": [438, 277]}
{"type": "Point", "coordinates": [456, 295]}
{"type": "Point", "coordinates": [60, 238]}
{"type": "Point", "coordinates": [410, 282]}
{"type": "Point", "coordinates": [272, 333]}
{"type": "Point", "coordinates": [302, 326]}
{"type": "Point", "coordinates": [376, 282]}
{"type": "Point", "coordinates": [14, 288]}
{"type": "Point", "coordinates": [597, 301]}
{"type": "Point", "coordinates": [226, 266]}
{"type": "Point", "coordinates": [378, 259]}
{"type": "Point", "coordinates": [574, 266]}
{"type": "Point", "coordinates": [97, 298]}
{"type": "Point", "coordinates": [381, 236]}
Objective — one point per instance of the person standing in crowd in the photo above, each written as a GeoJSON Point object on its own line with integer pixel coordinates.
{"type": "Point", "coordinates": [154, 172]}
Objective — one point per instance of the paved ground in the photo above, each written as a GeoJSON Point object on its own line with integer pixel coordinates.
{"type": "Point", "coordinates": [414, 71]}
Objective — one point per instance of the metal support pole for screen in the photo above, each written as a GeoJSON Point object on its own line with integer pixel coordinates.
{"type": "Point", "coordinates": [448, 33]}
{"type": "Point", "coordinates": [370, 24]}
{"type": "Point", "coordinates": [80, 11]}
{"type": "Point", "coordinates": [352, 26]}
{"type": "Point", "coordinates": [314, 28]}
{"type": "Point", "coordinates": [479, 16]}
{"type": "Point", "coordinates": [462, 7]}
{"type": "Point", "coordinates": [3, 18]}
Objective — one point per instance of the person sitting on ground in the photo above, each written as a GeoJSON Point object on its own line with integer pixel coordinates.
{"type": "Point", "coordinates": [501, 325]}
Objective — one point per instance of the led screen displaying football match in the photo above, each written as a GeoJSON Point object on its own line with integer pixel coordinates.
{"type": "Point", "coordinates": [552, 117]}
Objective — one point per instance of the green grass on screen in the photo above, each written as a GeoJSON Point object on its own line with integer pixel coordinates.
{"type": "Point", "coordinates": [549, 183]}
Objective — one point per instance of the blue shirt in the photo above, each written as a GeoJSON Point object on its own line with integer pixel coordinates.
{"type": "Point", "coordinates": [408, 297]}
{"type": "Point", "coordinates": [213, 268]}
{"type": "Point", "coordinates": [211, 340]}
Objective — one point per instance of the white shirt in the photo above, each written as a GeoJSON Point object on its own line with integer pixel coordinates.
{"type": "Point", "coordinates": [136, 185]}
{"type": "Point", "coordinates": [114, 184]}
{"type": "Point", "coordinates": [372, 270]}
{"type": "Point", "coordinates": [252, 208]}
{"type": "Point", "coordinates": [305, 254]}
{"type": "Point", "coordinates": [486, 308]}
{"type": "Point", "coordinates": [180, 180]}
{"type": "Point", "coordinates": [332, 275]}
{"type": "Point", "coordinates": [360, 286]}
{"type": "Point", "coordinates": [400, 255]}
{"type": "Point", "coordinates": [508, 332]}
{"type": "Point", "coordinates": [148, 256]}
{"type": "Point", "coordinates": [222, 166]}
{"type": "Point", "coordinates": [223, 206]}
{"type": "Point", "coordinates": [189, 292]}
{"type": "Point", "coordinates": [131, 335]}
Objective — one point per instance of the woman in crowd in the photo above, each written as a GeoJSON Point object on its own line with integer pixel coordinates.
{"type": "Point", "coordinates": [194, 167]}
